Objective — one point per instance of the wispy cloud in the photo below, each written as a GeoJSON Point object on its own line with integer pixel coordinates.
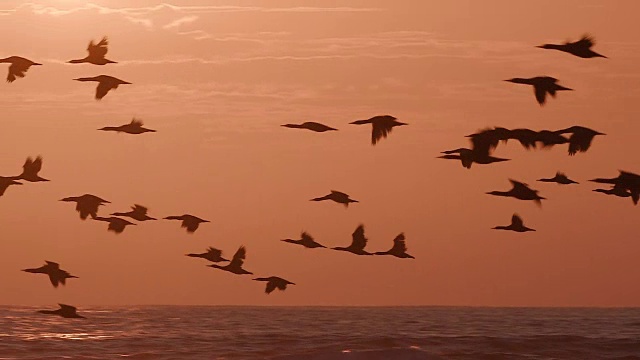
{"type": "Point", "coordinates": [181, 21]}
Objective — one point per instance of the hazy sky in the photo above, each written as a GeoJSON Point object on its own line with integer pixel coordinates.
{"type": "Point", "coordinates": [217, 78]}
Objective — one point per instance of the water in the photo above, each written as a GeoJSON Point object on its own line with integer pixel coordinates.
{"type": "Point", "coordinates": [194, 332]}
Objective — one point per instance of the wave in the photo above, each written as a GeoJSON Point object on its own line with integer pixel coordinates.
{"type": "Point", "coordinates": [412, 353]}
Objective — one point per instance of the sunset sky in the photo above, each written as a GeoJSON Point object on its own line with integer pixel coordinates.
{"type": "Point", "coordinates": [217, 78]}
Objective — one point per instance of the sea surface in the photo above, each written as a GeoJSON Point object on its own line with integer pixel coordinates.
{"type": "Point", "coordinates": [286, 333]}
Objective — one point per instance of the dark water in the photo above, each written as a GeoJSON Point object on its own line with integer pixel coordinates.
{"type": "Point", "coordinates": [190, 332]}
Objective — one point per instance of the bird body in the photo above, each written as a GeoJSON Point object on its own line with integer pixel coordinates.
{"type": "Point", "coordinates": [235, 265]}
{"type": "Point", "coordinates": [56, 275]}
{"type": "Point", "coordinates": [305, 240]}
{"type": "Point", "coordinates": [19, 66]}
{"type": "Point", "coordinates": [190, 222]}
{"type": "Point", "coordinates": [116, 224]}
{"type": "Point", "coordinates": [86, 204]}
{"type": "Point", "coordinates": [337, 196]}
{"type": "Point", "coordinates": [399, 248]}
{"type": "Point", "coordinates": [65, 311]}
{"type": "Point", "coordinates": [135, 127]}
{"type": "Point", "coordinates": [358, 242]}
{"type": "Point", "coordinates": [30, 170]}
{"type": "Point", "coordinates": [542, 85]}
{"type": "Point", "coordinates": [580, 48]}
{"type": "Point", "coordinates": [96, 54]}
{"type": "Point", "coordinates": [520, 191]}
{"type": "Point", "coordinates": [382, 126]}
{"type": "Point", "coordinates": [138, 212]}
{"type": "Point", "coordinates": [469, 156]}
{"type": "Point", "coordinates": [580, 139]}
{"type": "Point", "coordinates": [310, 125]}
{"type": "Point", "coordinates": [559, 178]}
{"type": "Point", "coordinates": [212, 254]}
{"type": "Point", "coordinates": [105, 83]}
{"type": "Point", "coordinates": [274, 282]}
{"type": "Point", "coordinates": [516, 225]}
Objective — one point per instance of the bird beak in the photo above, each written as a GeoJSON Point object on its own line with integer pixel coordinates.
{"type": "Point", "coordinates": [599, 133]}
{"type": "Point", "coordinates": [35, 64]}
{"type": "Point", "coordinates": [126, 83]}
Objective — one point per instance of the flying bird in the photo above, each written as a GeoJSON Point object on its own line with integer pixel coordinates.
{"type": "Point", "coordinates": [96, 55]}
{"type": "Point", "coordinates": [235, 266]}
{"type": "Point", "coordinates": [56, 275]}
{"type": "Point", "coordinates": [625, 180]}
{"type": "Point", "coordinates": [212, 254]}
{"type": "Point", "coordinates": [138, 212]}
{"type": "Point", "coordinates": [358, 242]}
{"type": "Point", "coordinates": [487, 140]}
{"type": "Point", "coordinates": [5, 182]}
{"type": "Point", "coordinates": [382, 126]}
{"type": "Point", "coordinates": [86, 204]}
{"type": "Point", "coordinates": [66, 311]}
{"type": "Point", "coordinates": [520, 191]}
{"type": "Point", "coordinates": [580, 139]}
{"type": "Point", "coordinates": [135, 127]}
{"type": "Point", "coordinates": [541, 86]}
{"type": "Point", "coordinates": [399, 248]}
{"type": "Point", "coordinates": [516, 225]}
{"type": "Point", "coordinates": [468, 156]}
{"type": "Point", "coordinates": [310, 125]}
{"type": "Point", "coordinates": [274, 282]}
{"type": "Point", "coordinates": [305, 240]}
{"type": "Point", "coordinates": [30, 170]}
{"type": "Point", "coordinates": [620, 191]}
{"type": "Point", "coordinates": [18, 67]}
{"type": "Point", "coordinates": [116, 224]}
{"type": "Point", "coordinates": [337, 196]}
{"type": "Point", "coordinates": [559, 178]}
{"type": "Point", "coordinates": [580, 48]}
{"type": "Point", "coordinates": [189, 222]}
{"type": "Point", "coordinates": [105, 83]}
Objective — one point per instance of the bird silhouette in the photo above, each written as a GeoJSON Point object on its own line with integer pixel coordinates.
{"type": "Point", "coordinates": [135, 127]}
{"type": "Point", "coordinates": [516, 225]}
{"type": "Point", "coordinates": [305, 240]}
{"type": "Point", "coordinates": [56, 275]}
{"type": "Point", "coordinates": [487, 140]}
{"type": "Point", "coordinates": [235, 266]}
{"type": "Point", "coordinates": [358, 242]}
{"type": "Point", "coordinates": [399, 248]}
{"type": "Point", "coordinates": [310, 125]}
{"type": "Point", "coordinates": [469, 156]}
{"type": "Point", "coordinates": [580, 139]}
{"type": "Point", "coordinates": [30, 170]}
{"type": "Point", "coordinates": [116, 224]}
{"type": "Point", "coordinates": [189, 222]}
{"type": "Point", "coordinates": [96, 55]}
{"type": "Point", "coordinates": [274, 282]}
{"type": "Point", "coordinates": [5, 182]}
{"type": "Point", "coordinates": [580, 48]}
{"type": "Point", "coordinates": [559, 178]}
{"type": "Point", "coordinates": [138, 212]}
{"type": "Point", "coordinates": [620, 191]}
{"type": "Point", "coordinates": [382, 126]}
{"type": "Point", "coordinates": [212, 254]}
{"type": "Point", "coordinates": [338, 197]}
{"type": "Point", "coordinates": [18, 67]}
{"type": "Point", "coordinates": [86, 205]}
{"type": "Point", "coordinates": [66, 311]}
{"type": "Point", "coordinates": [624, 181]}
{"type": "Point", "coordinates": [105, 83]}
{"type": "Point", "coordinates": [541, 86]}
{"type": "Point", "coordinates": [520, 191]}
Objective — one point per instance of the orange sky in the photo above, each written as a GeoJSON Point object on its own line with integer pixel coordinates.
{"type": "Point", "coordinates": [217, 78]}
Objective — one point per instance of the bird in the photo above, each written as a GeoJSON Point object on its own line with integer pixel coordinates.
{"type": "Point", "coordinates": [212, 254]}
{"type": "Point", "coordinates": [188, 221]}
{"type": "Point", "coordinates": [135, 127]}
{"type": "Point", "coordinates": [310, 125]}
{"type": "Point", "coordinates": [305, 240]}
{"type": "Point", "coordinates": [235, 265]}
{"type": "Point", "coordinates": [580, 139]}
{"type": "Point", "coordinates": [30, 170]}
{"type": "Point", "coordinates": [86, 204]}
{"type": "Point", "coordinates": [66, 311]}
{"type": "Point", "coordinates": [338, 197]}
{"type": "Point", "coordinates": [580, 48]}
{"type": "Point", "coordinates": [18, 67]}
{"type": "Point", "coordinates": [625, 180]}
{"type": "Point", "coordinates": [520, 191]}
{"type": "Point", "coordinates": [559, 178]}
{"type": "Point", "coordinates": [541, 86]}
{"type": "Point", "coordinates": [274, 282]}
{"type": "Point", "coordinates": [358, 242]}
{"type": "Point", "coordinates": [116, 224]}
{"type": "Point", "coordinates": [469, 156]}
{"type": "Point", "coordinates": [487, 140]}
{"type": "Point", "coordinates": [138, 212]}
{"type": "Point", "coordinates": [620, 191]}
{"type": "Point", "coordinates": [382, 126]}
{"type": "Point", "coordinates": [105, 83]}
{"type": "Point", "coordinates": [399, 248]}
{"type": "Point", "coordinates": [96, 55]}
{"type": "Point", "coordinates": [56, 275]}
{"type": "Point", "coordinates": [516, 225]}
{"type": "Point", "coordinates": [5, 182]}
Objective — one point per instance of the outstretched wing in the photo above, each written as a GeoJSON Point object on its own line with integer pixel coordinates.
{"type": "Point", "coordinates": [379, 131]}
{"type": "Point", "coordinates": [102, 90]}
{"type": "Point", "coordinates": [399, 244]}
{"type": "Point", "coordinates": [215, 252]}
{"type": "Point", "coordinates": [541, 94]}
{"type": "Point", "coordinates": [586, 41]}
{"type": "Point", "coordinates": [271, 285]}
{"type": "Point", "coordinates": [136, 122]}
{"type": "Point", "coordinates": [238, 257]}
{"type": "Point", "coordinates": [359, 241]}
{"type": "Point", "coordinates": [139, 208]}
{"type": "Point", "coordinates": [67, 308]}
{"type": "Point", "coordinates": [98, 50]}
{"type": "Point", "coordinates": [516, 220]}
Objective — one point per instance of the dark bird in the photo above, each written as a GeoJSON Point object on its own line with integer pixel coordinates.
{"type": "Point", "coordinates": [5, 182]}
{"type": "Point", "coordinates": [399, 248]}
{"type": "Point", "coordinates": [135, 127]}
{"type": "Point", "coordinates": [18, 67]}
{"type": "Point", "coordinates": [86, 204]}
{"type": "Point", "coordinates": [305, 240]}
{"type": "Point", "coordinates": [550, 138]}
{"type": "Point", "coordinates": [580, 48]}
{"type": "Point", "coordinates": [274, 282]}
{"type": "Point", "coordinates": [105, 83]}
{"type": "Point", "coordinates": [310, 125]}
{"type": "Point", "coordinates": [188, 221]}
{"type": "Point", "coordinates": [358, 242]}
{"type": "Point", "coordinates": [212, 254]}
{"type": "Point", "coordinates": [116, 224]}
{"type": "Point", "coordinates": [235, 266]}
{"type": "Point", "coordinates": [96, 55]}
{"type": "Point", "coordinates": [560, 178]}
{"type": "Point", "coordinates": [338, 197]}
{"type": "Point", "coordinates": [541, 86]}
{"type": "Point", "coordinates": [520, 191]}
{"type": "Point", "coordinates": [516, 225]}
{"type": "Point", "coordinates": [468, 157]}
{"type": "Point", "coordinates": [66, 311]}
{"type": "Point", "coordinates": [625, 180]}
{"type": "Point", "coordinates": [138, 212]}
{"type": "Point", "coordinates": [382, 126]}
{"type": "Point", "coordinates": [30, 170]}
{"type": "Point", "coordinates": [52, 269]}
{"type": "Point", "coordinates": [580, 139]}
{"type": "Point", "coordinates": [620, 191]}
{"type": "Point", "coordinates": [487, 140]}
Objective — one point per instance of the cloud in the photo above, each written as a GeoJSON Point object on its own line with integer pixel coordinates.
{"type": "Point", "coordinates": [181, 21]}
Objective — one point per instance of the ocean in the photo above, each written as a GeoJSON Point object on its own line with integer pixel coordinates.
{"type": "Point", "coordinates": [314, 333]}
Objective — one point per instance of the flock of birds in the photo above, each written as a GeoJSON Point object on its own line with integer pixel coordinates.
{"type": "Point", "coordinates": [483, 144]}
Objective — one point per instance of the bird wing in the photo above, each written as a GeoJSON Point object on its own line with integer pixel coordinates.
{"type": "Point", "coordinates": [54, 280]}
{"type": "Point", "coordinates": [541, 94]}
{"type": "Point", "coordinates": [359, 241]}
{"type": "Point", "coordinates": [139, 208]}
{"type": "Point", "coordinates": [379, 131]}
{"type": "Point", "coordinates": [215, 252]}
{"type": "Point", "coordinates": [102, 89]}
{"type": "Point", "coordinates": [281, 283]}
{"type": "Point", "coordinates": [67, 307]}
{"type": "Point", "coordinates": [271, 285]}
{"type": "Point", "coordinates": [399, 244]}
{"type": "Point", "coordinates": [15, 71]}
{"type": "Point", "coordinates": [136, 122]}
{"type": "Point", "coordinates": [516, 220]}
{"type": "Point", "coordinates": [586, 40]}
{"type": "Point", "coordinates": [100, 49]}
{"type": "Point", "coordinates": [338, 193]}
{"type": "Point", "coordinates": [53, 265]}
{"type": "Point", "coordinates": [238, 257]}
{"type": "Point", "coordinates": [518, 184]}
